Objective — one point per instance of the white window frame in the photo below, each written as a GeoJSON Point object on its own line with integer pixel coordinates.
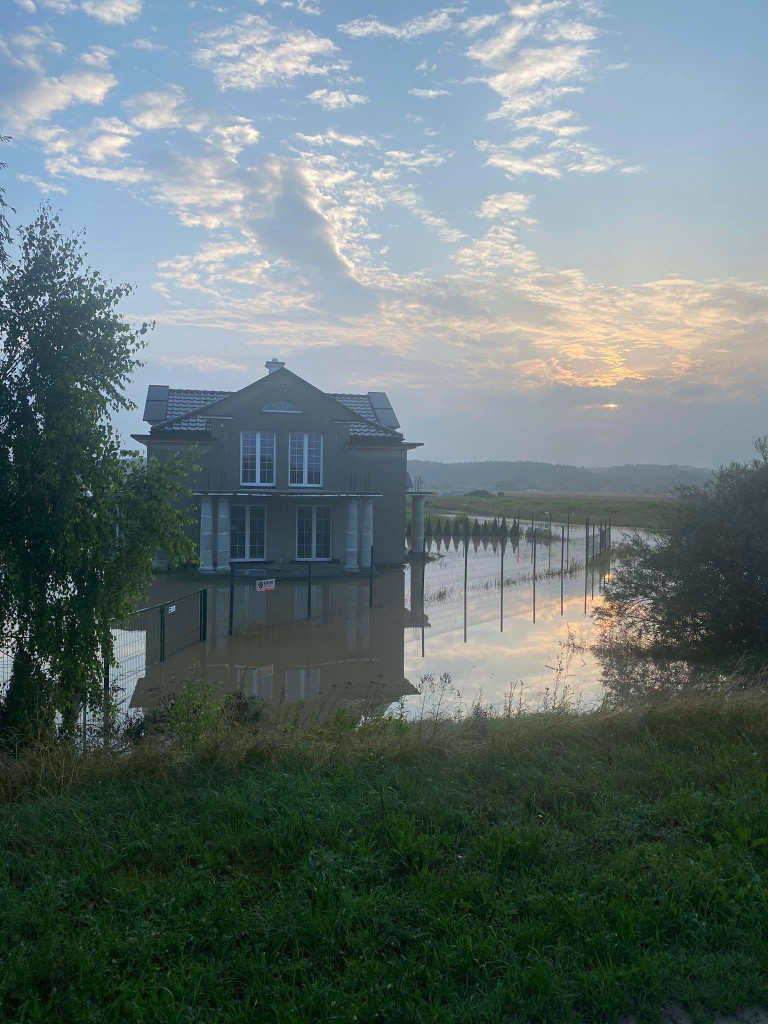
{"type": "Point", "coordinates": [259, 434]}
{"type": "Point", "coordinates": [305, 457]}
{"type": "Point", "coordinates": [248, 556]}
{"type": "Point", "coordinates": [314, 557]}
{"type": "Point", "coordinates": [293, 411]}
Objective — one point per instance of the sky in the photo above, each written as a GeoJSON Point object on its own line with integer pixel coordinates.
{"type": "Point", "coordinates": [539, 226]}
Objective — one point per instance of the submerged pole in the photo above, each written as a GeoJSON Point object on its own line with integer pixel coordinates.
{"type": "Point", "coordinates": [534, 574]}
{"type": "Point", "coordinates": [562, 565]}
{"type": "Point", "coordinates": [568, 539]}
{"type": "Point", "coordinates": [466, 555]}
{"type": "Point", "coordinates": [501, 611]}
{"type": "Point", "coordinates": [586, 563]}
{"type": "Point", "coordinates": [423, 563]}
{"type": "Point", "coordinates": [231, 598]}
{"type": "Point", "coordinates": [593, 561]}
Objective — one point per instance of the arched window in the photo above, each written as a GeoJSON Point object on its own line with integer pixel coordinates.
{"type": "Point", "coordinates": [281, 407]}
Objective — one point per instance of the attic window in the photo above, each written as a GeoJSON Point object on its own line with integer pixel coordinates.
{"type": "Point", "coordinates": [281, 407]}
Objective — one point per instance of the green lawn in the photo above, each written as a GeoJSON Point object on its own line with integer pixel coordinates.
{"type": "Point", "coordinates": [539, 869]}
{"type": "Point", "coordinates": [641, 511]}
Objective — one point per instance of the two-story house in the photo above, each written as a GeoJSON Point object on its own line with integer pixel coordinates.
{"type": "Point", "coordinates": [287, 473]}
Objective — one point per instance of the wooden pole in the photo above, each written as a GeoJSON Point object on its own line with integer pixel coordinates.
{"type": "Point", "coordinates": [534, 574]}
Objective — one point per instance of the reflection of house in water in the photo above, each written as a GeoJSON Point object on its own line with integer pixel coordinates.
{"type": "Point", "coordinates": [344, 654]}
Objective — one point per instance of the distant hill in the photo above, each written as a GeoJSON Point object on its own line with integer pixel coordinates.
{"type": "Point", "coordinates": [549, 477]}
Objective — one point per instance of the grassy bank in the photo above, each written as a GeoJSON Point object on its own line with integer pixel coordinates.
{"type": "Point", "coordinates": [642, 512]}
{"type": "Point", "coordinates": [537, 868]}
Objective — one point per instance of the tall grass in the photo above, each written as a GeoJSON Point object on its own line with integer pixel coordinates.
{"type": "Point", "coordinates": [500, 865]}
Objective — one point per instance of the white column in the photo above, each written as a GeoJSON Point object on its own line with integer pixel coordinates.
{"type": "Point", "coordinates": [353, 540]}
{"type": "Point", "coordinates": [417, 525]}
{"type": "Point", "coordinates": [206, 535]}
{"type": "Point", "coordinates": [366, 534]}
{"type": "Point", "coordinates": [222, 536]}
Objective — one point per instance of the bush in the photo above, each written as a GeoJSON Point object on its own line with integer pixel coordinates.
{"type": "Point", "coordinates": [701, 586]}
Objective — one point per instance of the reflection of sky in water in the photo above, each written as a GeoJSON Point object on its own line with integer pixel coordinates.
{"type": "Point", "coordinates": [350, 654]}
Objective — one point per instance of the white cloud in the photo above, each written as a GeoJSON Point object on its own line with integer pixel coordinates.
{"type": "Point", "coordinates": [153, 111]}
{"type": "Point", "coordinates": [251, 53]}
{"type": "Point", "coordinates": [474, 25]}
{"type": "Point", "coordinates": [148, 45]}
{"type": "Point", "coordinates": [331, 136]}
{"type": "Point", "coordinates": [27, 48]}
{"type": "Point", "coordinates": [203, 364]}
{"type": "Point", "coordinates": [50, 95]}
{"type": "Point", "coordinates": [335, 99]}
{"type": "Point", "coordinates": [429, 94]}
{"type": "Point", "coordinates": [44, 186]}
{"type": "Point", "coordinates": [59, 6]}
{"type": "Point", "coordinates": [26, 5]}
{"type": "Point", "coordinates": [112, 12]}
{"type": "Point", "coordinates": [436, 21]}
{"type": "Point", "coordinates": [97, 56]}
{"type": "Point", "coordinates": [428, 157]}
{"type": "Point", "coordinates": [554, 121]}
{"type": "Point", "coordinates": [232, 138]}
{"type": "Point", "coordinates": [504, 204]}
{"type": "Point", "coordinates": [534, 67]}
{"type": "Point", "coordinates": [494, 50]}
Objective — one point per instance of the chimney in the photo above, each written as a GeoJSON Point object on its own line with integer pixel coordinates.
{"type": "Point", "coordinates": [274, 364]}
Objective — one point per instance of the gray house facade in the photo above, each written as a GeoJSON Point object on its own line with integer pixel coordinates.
{"type": "Point", "coordinates": [286, 473]}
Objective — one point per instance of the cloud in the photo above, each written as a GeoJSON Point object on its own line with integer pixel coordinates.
{"type": "Point", "coordinates": [429, 94]}
{"type": "Point", "coordinates": [554, 121]}
{"type": "Point", "coordinates": [26, 5]}
{"type": "Point", "coordinates": [474, 25]}
{"type": "Point", "coordinates": [436, 21]}
{"type": "Point", "coordinates": [51, 95]}
{"type": "Point", "coordinates": [536, 67]}
{"type": "Point", "coordinates": [112, 12]}
{"type": "Point", "coordinates": [153, 111]}
{"type": "Point", "coordinates": [250, 53]}
{"type": "Point", "coordinates": [44, 186]}
{"type": "Point", "coordinates": [331, 136]}
{"type": "Point", "coordinates": [514, 165]}
{"type": "Point", "coordinates": [336, 100]}
{"type": "Point", "coordinates": [27, 48]}
{"type": "Point", "coordinates": [505, 204]}
{"type": "Point", "coordinates": [97, 56]}
{"type": "Point", "coordinates": [148, 45]}
{"type": "Point", "coordinates": [203, 364]}
{"type": "Point", "coordinates": [427, 157]}
{"type": "Point", "coordinates": [232, 138]}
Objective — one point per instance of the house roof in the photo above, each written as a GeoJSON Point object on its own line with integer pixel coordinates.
{"type": "Point", "coordinates": [184, 409]}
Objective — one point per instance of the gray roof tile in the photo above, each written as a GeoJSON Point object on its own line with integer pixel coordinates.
{"type": "Point", "coordinates": [183, 401]}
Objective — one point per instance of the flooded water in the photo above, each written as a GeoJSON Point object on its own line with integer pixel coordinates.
{"type": "Point", "coordinates": [328, 645]}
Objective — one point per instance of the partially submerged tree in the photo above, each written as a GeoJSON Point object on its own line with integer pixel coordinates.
{"type": "Point", "coordinates": [81, 519]}
{"type": "Point", "coordinates": [701, 587]}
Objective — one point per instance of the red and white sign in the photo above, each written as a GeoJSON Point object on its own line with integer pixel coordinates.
{"type": "Point", "coordinates": [265, 585]}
